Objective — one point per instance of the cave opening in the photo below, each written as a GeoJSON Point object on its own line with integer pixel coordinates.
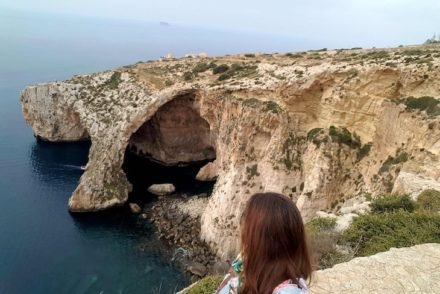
{"type": "Point", "coordinates": [171, 147]}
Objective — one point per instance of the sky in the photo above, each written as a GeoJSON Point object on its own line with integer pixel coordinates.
{"type": "Point", "coordinates": [335, 23]}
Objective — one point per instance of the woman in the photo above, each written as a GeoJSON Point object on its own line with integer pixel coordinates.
{"type": "Point", "coordinates": [274, 257]}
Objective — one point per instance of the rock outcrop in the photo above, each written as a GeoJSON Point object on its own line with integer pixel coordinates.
{"type": "Point", "coordinates": [404, 270]}
{"type": "Point", "coordinates": [321, 127]}
{"type": "Point", "coordinates": [208, 172]}
{"type": "Point", "coordinates": [161, 189]}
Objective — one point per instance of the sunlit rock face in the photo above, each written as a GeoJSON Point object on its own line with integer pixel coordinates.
{"type": "Point", "coordinates": [321, 128]}
{"type": "Point", "coordinates": [51, 118]}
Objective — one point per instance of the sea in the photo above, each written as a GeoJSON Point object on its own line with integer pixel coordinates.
{"type": "Point", "coordinates": [44, 248]}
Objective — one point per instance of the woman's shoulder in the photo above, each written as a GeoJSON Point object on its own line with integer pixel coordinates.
{"type": "Point", "coordinates": [288, 287]}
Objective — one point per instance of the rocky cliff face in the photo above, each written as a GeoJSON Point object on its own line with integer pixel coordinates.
{"type": "Point", "coordinates": [321, 127]}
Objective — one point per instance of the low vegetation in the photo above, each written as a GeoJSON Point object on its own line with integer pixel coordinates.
{"type": "Point", "coordinates": [344, 136]}
{"type": "Point", "coordinates": [266, 106]}
{"type": "Point", "coordinates": [235, 70]}
{"type": "Point", "coordinates": [429, 200]}
{"type": "Point", "coordinates": [202, 67]}
{"type": "Point", "coordinates": [207, 285]}
{"type": "Point", "coordinates": [113, 82]}
{"type": "Point", "coordinates": [220, 69]}
{"type": "Point", "coordinates": [379, 232]}
{"type": "Point", "coordinates": [364, 151]}
{"type": "Point", "coordinates": [392, 203]}
{"type": "Point", "coordinates": [313, 132]}
{"type": "Point", "coordinates": [377, 55]}
{"type": "Point", "coordinates": [426, 103]}
{"type": "Point", "coordinates": [188, 76]}
{"type": "Point", "coordinates": [395, 221]}
{"type": "Point", "coordinates": [271, 106]}
{"type": "Point", "coordinates": [401, 157]}
{"type": "Point", "coordinates": [324, 240]}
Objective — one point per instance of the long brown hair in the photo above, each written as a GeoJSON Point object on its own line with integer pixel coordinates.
{"type": "Point", "coordinates": [274, 244]}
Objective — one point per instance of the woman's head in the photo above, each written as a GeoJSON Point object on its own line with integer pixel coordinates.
{"type": "Point", "coordinates": [274, 244]}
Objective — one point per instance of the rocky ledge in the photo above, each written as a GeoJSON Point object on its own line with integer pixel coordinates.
{"type": "Point", "coordinates": [322, 127]}
{"type": "Point", "coordinates": [177, 222]}
{"type": "Point", "coordinates": [403, 270]}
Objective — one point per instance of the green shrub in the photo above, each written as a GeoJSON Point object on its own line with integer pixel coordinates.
{"type": "Point", "coordinates": [426, 103]}
{"type": "Point", "coordinates": [225, 76]}
{"type": "Point", "coordinates": [296, 55]}
{"type": "Point", "coordinates": [343, 136]}
{"type": "Point", "coordinates": [235, 70]}
{"type": "Point", "coordinates": [321, 224]}
{"type": "Point", "coordinates": [271, 106]}
{"type": "Point", "coordinates": [207, 285]}
{"type": "Point", "coordinates": [412, 52]}
{"type": "Point", "coordinates": [220, 69]}
{"type": "Point", "coordinates": [323, 242]}
{"type": "Point", "coordinates": [251, 102]}
{"type": "Point", "coordinates": [201, 67]}
{"type": "Point", "coordinates": [375, 233]}
{"type": "Point", "coordinates": [187, 76]}
{"type": "Point", "coordinates": [377, 55]}
{"type": "Point", "coordinates": [429, 200]}
{"type": "Point", "coordinates": [364, 151]}
{"type": "Point", "coordinates": [392, 203]}
{"type": "Point", "coordinates": [249, 55]}
{"type": "Point", "coordinates": [313, 132]}
{"type": "Point", "coordinates": [114, 80]}
{"type": "Point", "coordinates": [400, 158]}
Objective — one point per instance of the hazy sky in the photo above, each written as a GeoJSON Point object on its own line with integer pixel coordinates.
{"type": "Point", "coordinates": [334, 23]}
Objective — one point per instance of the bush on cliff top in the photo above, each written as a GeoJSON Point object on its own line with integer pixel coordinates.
{"type": "Point", "coordinates": [202, 67]}
{"type": "Point", "coordinates": [207, 285]}
{"type": "Point", "coordinates": [375, 233]}
{"type": "Point", "coordinates": [429, 200]}
{"type": "Point", "coordinates": [113, 82]}
{"type": "Point", "coordinates": [392, 203]}
{"type": "Point", "coordinates": [323, 243]}
{"type": "Point", "coordinates": [321, 224]}
{"type": "Point", "coordinates": [220, 69]}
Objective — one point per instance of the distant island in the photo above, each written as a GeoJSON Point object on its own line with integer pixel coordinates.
{"type": "Point", "coordinates": [164, 24]}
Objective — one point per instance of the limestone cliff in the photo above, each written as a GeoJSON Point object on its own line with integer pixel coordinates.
{"type": "Point", "coordinates": [321, 127]}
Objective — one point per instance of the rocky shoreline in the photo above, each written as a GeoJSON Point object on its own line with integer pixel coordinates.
{"type": "Point", "coordinates": [177, 222]}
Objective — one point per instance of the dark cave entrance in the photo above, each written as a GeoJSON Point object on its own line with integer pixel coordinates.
{"type": "Point", "coordinates": [170, 147]}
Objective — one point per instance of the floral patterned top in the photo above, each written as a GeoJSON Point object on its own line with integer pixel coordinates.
{"type": "Point", "coordinates": [231, 282]}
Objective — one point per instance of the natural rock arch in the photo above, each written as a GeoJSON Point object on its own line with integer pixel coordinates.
{"type": "Point", "coordinates": [175, 134]}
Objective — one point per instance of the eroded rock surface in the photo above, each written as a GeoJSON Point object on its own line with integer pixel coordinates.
{"type": "Point", "coordinates": [404, 270]}
{"type": "Point", "coordinates": [320, 127]}
{"type": "Point", "coordinates": [208, 172]}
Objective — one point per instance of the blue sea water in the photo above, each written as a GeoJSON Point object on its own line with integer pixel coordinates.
{"type": "Point", "coordinates": [43, 248]}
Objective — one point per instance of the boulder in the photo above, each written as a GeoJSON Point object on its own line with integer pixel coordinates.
{"type": "Point", "coordinates": [135, 208]}
{"type": "Point", "coordinates": [208, 172]}
{"type": "Point", "coordinates": [161, 189]}
{"type": "Point", "coordinates": [197, 269]}
{"type": "Point", "coordinates": [220, 268]}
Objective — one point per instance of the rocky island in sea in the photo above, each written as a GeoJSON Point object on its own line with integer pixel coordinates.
{"type": "Point", "coordinates": [332, 129]}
